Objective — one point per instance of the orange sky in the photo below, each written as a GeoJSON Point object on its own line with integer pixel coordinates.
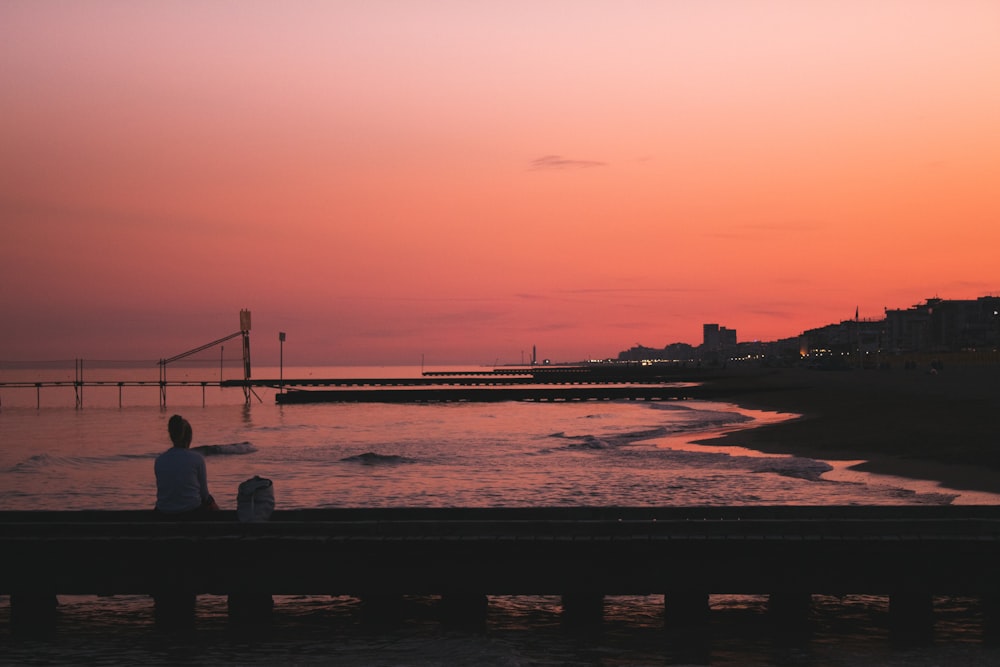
{"type": "Point", "coordinates": [465, 179]}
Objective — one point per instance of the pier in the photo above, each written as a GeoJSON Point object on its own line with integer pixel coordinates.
{"type": "Point", "coordinates": [79, 386]}
{"type": "Point", "coordinates": [479, 394]}
{"type": "Point", "coordinates": [564, 383]}
{"type": "Point", "coordinates": [558, 383]}
{"type": "Point", "coordinates": [571, 382]}
{"type": "Point", "coordinates": [79, 383]}
{"type": "Point", "coordinates": [908, 553]}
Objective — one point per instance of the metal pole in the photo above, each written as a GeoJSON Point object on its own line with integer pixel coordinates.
{"type": "Point", "coordinates": [246, 366]}
{"type": "Point", "coordinates": [163, 383]}
{"type": "Point", "coordinates": [281, 362]}
{"type": "Point", "coordinates": [78, 383]}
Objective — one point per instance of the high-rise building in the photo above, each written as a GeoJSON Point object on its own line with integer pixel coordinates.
{"type": "Point", "coordinates": [940, 325]}
{"type": "Point", "coordinates": [718, 343]}
{"type": "Point", "coordinates": [710, 337]}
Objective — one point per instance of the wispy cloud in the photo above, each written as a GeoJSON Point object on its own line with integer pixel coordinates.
{"type": "Point", "coordinates": [632, 290]}
{"type": "Point", "coordinates": [764, 231]}
{"type": "Point", "coordinates": [549, 162]}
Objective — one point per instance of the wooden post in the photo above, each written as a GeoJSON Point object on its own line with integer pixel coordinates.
{"type": "Point", "coordinates": [991, 618]}
{"type": "Point", "coordinates": [687, 624]}
{"type": "Point", "coordinates": [382, 609]}
{"type": "Point", "coordinates": [583, 608]}
{"type": "Point", "coordinates": [789, 606]}
{"type": "Point", "coordinates": [911, 617]}
{"type": "Point", "coordinates": [685, 608]}
{"type": "Point", "coordinates": [33, 611]}
{"type": "Point", "coordinates": [788, 611]}
{"type": "Point", "coordinates": [174, 609]}
{"type": "Point", "coordinates": [250, 607]}
{"type": "Point", "coordinates": [463, 610]}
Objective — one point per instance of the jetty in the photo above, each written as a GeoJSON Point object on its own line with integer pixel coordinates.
{"type": "Point", "coordinates": [535, 382]}
{"type": "Point", "coordinates": [437, 394]}
{"type": "Point", "coordinates": [559, 383]}
{"type": "Point", "coordinates": [584, 382]}
{"type": "Point", "coordinates": [789, 553]}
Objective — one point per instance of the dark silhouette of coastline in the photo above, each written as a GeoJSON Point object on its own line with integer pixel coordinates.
{"type": "Point", "coordinates": [923, 425]}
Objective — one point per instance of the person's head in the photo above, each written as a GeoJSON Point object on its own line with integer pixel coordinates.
{"type": "Point", "coordinates": [180, 431]}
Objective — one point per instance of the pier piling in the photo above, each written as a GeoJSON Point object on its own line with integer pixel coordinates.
{"type": "Point", "coordinates": [465, 554]}
{"type": "Point", "coordinates": [684, 608]}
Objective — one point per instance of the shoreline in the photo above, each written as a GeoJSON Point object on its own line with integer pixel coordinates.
{"type": "Point", "coordinates": [912, 424]}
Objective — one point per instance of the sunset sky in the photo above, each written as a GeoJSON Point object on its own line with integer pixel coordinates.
{"type": "Point", "coordinates": [461, 180]}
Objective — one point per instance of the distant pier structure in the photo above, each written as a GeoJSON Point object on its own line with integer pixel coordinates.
{"type": "Point", "coordinates": [536, 382]}
{"type": "Point", "coordinates": [78, 383]}
{"type": "Point", "coordinates": [244, 332]}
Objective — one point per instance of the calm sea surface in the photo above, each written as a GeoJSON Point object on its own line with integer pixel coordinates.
{"type": "Point", "coordinates": [463, 454]}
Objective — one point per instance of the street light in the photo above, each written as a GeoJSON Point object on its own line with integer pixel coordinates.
{"type": "Point", "coordinates": [281, 362]}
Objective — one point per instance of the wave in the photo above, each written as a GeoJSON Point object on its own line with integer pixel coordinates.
{"type": "Point", "coordinates": [37, 462]}
{"type": "Point", "coordinates": [606, 441]}
{"type": "Point", "coordinates": [587, 442]}
{"type": "Point", "coordinates": [803, 468]}
{"type": "Point", "coordinates": [371, 458]}
{"type": "Point", "coordinates": [686, 420]}
{"type": "Point", "coordinates": [700, 418]}
{"type": "Point", "coordinates": [231, 448]}
{"type": "Point", "coordinates": [800, 468]}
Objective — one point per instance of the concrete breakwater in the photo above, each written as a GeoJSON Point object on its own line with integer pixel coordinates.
{"type": "Point", "coordinates": [909, 553]}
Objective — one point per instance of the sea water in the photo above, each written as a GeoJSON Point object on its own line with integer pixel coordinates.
{"type": "Point", "coordinates": [596, 453]}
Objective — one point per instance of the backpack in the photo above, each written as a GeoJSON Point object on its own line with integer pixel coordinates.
{"type": "Point", "coordinates": [255, 499]}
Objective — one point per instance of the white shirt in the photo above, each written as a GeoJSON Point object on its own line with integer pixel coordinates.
{"type": "Point", "coordinates": [181, 480]}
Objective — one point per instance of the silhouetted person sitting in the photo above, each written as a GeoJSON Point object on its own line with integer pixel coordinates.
{"type": "Point", "coordinates": [181, 479]}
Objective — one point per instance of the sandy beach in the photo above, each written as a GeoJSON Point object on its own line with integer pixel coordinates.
{"type": "Point", "coordinates": [942, 426]}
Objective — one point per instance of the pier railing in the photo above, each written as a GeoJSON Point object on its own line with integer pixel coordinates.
{"type": "Point", "coordinates": [539, 384]}
{"type": "Point", "coordinates": [789, 553]}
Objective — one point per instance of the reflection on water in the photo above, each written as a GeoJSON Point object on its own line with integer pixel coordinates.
{"type": "Point", "coordinates": [520, 631]}
{"type": "Point", "coordinates": [504, 454]}
{"type": "Point", "coordinates": [512, 454]}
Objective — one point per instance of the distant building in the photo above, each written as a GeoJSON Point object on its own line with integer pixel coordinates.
{"type": "Point", "coordinates": [849, 343]}
{"type": "Point", "coordinates": [679, 352]}
{"type": "Point", "coordinates": [710, 339]}
{"type": "Point", "coordinates": [934, 327]}
{"type": "Point", "coordinates": [718, 343]}
{"type": "Point", "coordinates": [727, 338]}
{"type": "Point", "coordinates": [674, 352]}
{"type": "Point", "coordinates": [945, 326]}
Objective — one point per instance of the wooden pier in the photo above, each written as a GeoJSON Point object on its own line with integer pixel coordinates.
{"type": "Point", "coordinates": [78, 387]}
{"type": "Point", "coordinates": [437, 394]}
{"type": "Point", "coordinates": [79, 383]}
{"type": "Point", "coordinates": [909, 553]}
{"type": "Point", "coordinates": [556, 383]}
{"type": "Point", "coordinates": [565, 383]}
